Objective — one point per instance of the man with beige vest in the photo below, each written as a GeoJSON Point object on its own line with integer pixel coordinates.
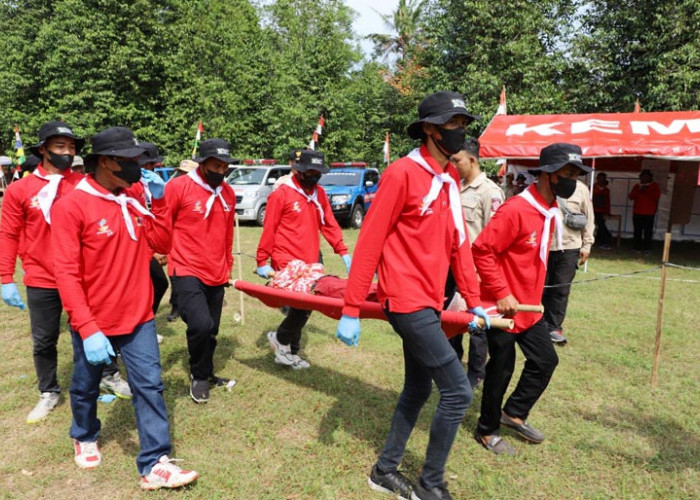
{"type": "Point", "coordinates": [577, 239]}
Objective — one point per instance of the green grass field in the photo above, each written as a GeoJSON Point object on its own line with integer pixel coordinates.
{"type": "Point", "coordinates": [314, 434]}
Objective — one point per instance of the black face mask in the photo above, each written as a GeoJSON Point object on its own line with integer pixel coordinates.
{"type": "Point", "coordinates": [214, 179]}
{"type": "Point", "coordinates": [308, 181]}
{"type": "Point", "coordinates": [564, 187]}
{"type": "Point", "coordinates": [61, 162]}
{"type": "Point", "coordinates": [130, 172]}
{"type": "Point", "coordinates": [452, 140]}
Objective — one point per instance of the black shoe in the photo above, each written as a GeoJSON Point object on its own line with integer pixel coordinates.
{"type": "Point", "coordinates": [215, 381]}
{"type": "Point", "coordinates": [436, 493]}
{"type": "Point", "coordinates": [199, 390]}
{"type": "Point", "coordinates": [393, 483]}
{"type": "Point", "coordinates": [172, 315]}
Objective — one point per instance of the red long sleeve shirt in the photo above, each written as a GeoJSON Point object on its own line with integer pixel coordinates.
{"type": "Point", "coordinates": [102, 274]}
{"type": "Point", "coordinates": [292, 226]}
{"type": "Point", "coordinates": [201, 247]}
{"type": "Point", "coordinates": [601, 199]}
{"type": "Point", "coordinates": [25, 232]}
{"type": "Point", "coordinates": [646, 198]}
{"type": "Point", "coordinates": [411, 252]}
{"type": "Point", "coordinates": [507, 256]}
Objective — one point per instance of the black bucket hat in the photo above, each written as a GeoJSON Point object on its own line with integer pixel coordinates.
{"type": "Point", "coordinates": [150, 154]}
{"type": "Point", "coordinates": [559, 155]}
{"type": "Point", "coordinates": [53, 129]}
{"type": "Point", "coordinates": [308, 159]}
{"type": "Point", "coordinates": [215, 148]}
{"type": "Point", "coordinates": [438, 108]}
{"type": "Point", "coordinates": [114, 141]}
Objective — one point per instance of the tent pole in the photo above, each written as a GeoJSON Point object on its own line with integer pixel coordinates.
{"type": "Point", "coordinates": [240, 263]}
{"type": "Point", "coordinates": [660, 312]}
{"type": "Point", "coordinates": [590, 197]}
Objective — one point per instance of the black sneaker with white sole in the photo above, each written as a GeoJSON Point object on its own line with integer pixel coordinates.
{"type": "Point", "coordinates": [436, 493]}
{"type": "Point", "coordinates": [392, 483]}
{"type": "Point", "coordinates": [199, 390]}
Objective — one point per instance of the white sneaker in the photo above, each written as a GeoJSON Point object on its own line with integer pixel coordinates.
{"type": "Point", "coordinates": [299, 362]}
{"type": "Point", "coordinates": [159, 338]}
{"type": "Point", "coordinates": [87, 455]}
{"type": "Point", "coordinates": [283, 353]}
{"type": "Point", "coordinates": [165, 474]}
{"type": "Point", "coordinates": [47, 402]}
{"type": "Point", "coordinates": [116, 385]}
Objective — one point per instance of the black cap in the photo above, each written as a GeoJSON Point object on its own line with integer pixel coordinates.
{"type": "Point", "coordinates": [438, 108]}
{"type": "Point", "coordinates": [150, 154]}
{"type": "Point", "coordinates": [215, 148]}
{"type": "Point", "coordinates": [114, 141]}
{"type": "Point", "coordinates": [559, 155]}
{"type": "Point", "coordinates": [53, 129]}
{"type": "Point", "coordinates": [308, 159]}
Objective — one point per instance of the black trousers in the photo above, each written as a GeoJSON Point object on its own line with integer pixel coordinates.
{"type": "Point", "coordinates": [540, 362]}
{"type": "Point", "coordinates": [643, 231]}
{"type": "Point", "coordinates": [160, 283]}
{"type": "Point", "coordinates": [602, 234]}
{"type": "Point", "coordinates": [200, 307]}
{"type": "Point", "coordinates": [289, 331]}
{"type": "Point", "coordinates": [561, 269]}
{"type": "Point", "coordinates": [45, 310]}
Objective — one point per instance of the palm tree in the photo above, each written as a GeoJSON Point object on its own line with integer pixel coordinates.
{"type": "Point", "coordinates": [404, 31]}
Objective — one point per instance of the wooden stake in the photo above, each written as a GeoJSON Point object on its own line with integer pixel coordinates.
{"type": "Point", "coordinates": [240, 264]}
{"type": "Point", "coordinates": [660, 313]}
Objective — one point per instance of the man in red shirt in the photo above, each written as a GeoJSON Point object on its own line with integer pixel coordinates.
{"type": "Point", "coordinates": [511, 257]}
{"type": "Point", "coordinates": [646, 194]}
{"type": "Point", "coordinates": [296, 213]}
{"type": "Point", "coordinates": [601, 208]}
{"type": "Point", "coordinates": [25, 231]}
{"type": "Point", "coordinates": [414, 232]}
{"type": "Point", "coordinates": [103, 240]}
{"type": "Point", "coordinates": [200, 263]}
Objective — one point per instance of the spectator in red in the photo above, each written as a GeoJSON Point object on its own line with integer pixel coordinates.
{"type": "Point", "coordinates": [601, 208]}
{"type": "Point", "coordinates": [646, 194]}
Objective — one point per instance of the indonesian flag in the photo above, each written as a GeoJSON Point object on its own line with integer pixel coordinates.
{"type": "Point", "coordinates": [502, 106]}
{"type": "Point", "coordinates": [387, 149]}
{"type": "Point", "coordinates": [197, 138]}
{"type": "Point", "coordinates": [317, 133]}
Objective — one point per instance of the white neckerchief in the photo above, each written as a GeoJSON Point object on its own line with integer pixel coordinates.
{"type": "Point", "coordinates": [552, 213]}
{"type": "Point", "coordinates": [122, 200]}
{"type": "Point", "coordinates": [214, 192]}
{"type": "Point", "coordinates": [435, 187]}
{"type": "Point", "coordinates": [47, 194]}
{"type": "Point", "coordinates": [312, 198]}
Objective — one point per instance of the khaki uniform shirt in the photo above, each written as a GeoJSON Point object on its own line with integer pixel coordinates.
{"type": "Point", "coordinates": [480, 200]}
{"type": "Point", "coordinates": [580, 202]}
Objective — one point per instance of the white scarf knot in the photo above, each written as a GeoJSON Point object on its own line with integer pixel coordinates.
{"type": "Point", "coordinates": [47, 194]}
{"type": "Point", "coordinates": [122, 200]}
{"type": "Point", "coordinates": [552, 213]}
{"type": "Point", "coordinates": [215, 193]}
{"type": "Point", "coordinates": [435, 187]}
{"type": "Point", "coordinates": [309, 197]}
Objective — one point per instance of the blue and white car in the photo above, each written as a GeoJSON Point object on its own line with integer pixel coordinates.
{"type": "Point", "coordinates": [350, 187]}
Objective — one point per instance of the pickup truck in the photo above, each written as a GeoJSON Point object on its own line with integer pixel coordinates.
{"type": "Point", "coordinates": [252, 182]}
{"type": "Point", "coordinates": [350, 188]}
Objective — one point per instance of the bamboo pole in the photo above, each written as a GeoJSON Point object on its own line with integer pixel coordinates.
{"type": "Point", "coordinates": [660, 312]}
{"type": "Point", "coordinates": [240, 265]}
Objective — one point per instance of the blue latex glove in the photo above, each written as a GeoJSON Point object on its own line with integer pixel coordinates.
{"type": "Point", "coordinates": [347, 260]}
{"type": "Point", "coordinates": [473, 326]}
{"type": "Point", "coordinates": [11, 296]}
{"type": "Point", "coordinates": [264, 271]}
{"type": "Point", "coordinates": [348, 330]}
{"type": "Point", "coordinates": [481, 313]}
{"type": "Point", "coordinates": [156, 184]}
{"type": "Point", "coordinates": [98, 349]}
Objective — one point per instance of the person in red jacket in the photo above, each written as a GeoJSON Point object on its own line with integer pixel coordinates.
{"type": "Point", "coordinates": [103, 240]}
{"type": "Point", "coordinates": [26, 219]}
{"type": "Point", "coordinates": [414, 232]}
{"type": "Point", "coordinates": [296, 213]}
{"type": "Point", "coordinates": [646, 194]}
{"type": "Point", "coordinates": [511, 257]}
{"type": "Point", "coordinates": [201, 260]}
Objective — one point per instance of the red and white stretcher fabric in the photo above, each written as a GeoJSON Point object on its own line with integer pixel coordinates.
{"type": "Point", "coordinates": [297, 276]}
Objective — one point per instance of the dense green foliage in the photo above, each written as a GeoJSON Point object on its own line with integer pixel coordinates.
{"type": "Point", "coordinates": [260, 73]}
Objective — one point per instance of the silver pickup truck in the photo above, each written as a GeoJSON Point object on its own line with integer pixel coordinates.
{"type": "Point", "coordinates": [252, 184]}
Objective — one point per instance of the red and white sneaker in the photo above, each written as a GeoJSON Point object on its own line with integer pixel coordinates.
{"type": "Point", "coordinates": [165, 474]}
{"type": "Point", "coordinates": [87, 455]}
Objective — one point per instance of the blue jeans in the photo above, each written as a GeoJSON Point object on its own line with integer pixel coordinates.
{"type": "Point", "coordinates": [428, 357]}
{"type": "Point", "coordinates": [141, 356]}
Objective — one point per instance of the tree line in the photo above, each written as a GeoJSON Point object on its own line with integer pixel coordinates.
{"type": "Point", "coordinates": [260, 74]}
